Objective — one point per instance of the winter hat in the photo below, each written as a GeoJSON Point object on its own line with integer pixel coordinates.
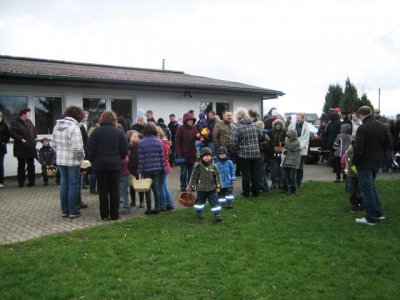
{"type": "Point", "coordinates": [206, 151]}
{"type": "Point", "coordinates": [274, 113]}
{"type": "Point", "coordinates": [160, 120]}
{"type": "Point", "coordinates": [292, 134]}
{"type": "Point", "coordinates": [222, 150]}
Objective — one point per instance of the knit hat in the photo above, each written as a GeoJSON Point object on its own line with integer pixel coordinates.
{"type": "Point", "coordinates": [206, 151]}
{"type": "Point", "coordinates": [160, 120]}
{"type": "Point", "coordinates": [291, 134]}
{"type": "Point", "coordinates": [222, 150]}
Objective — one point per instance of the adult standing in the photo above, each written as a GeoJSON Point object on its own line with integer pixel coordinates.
{"type": "Point", "coordinates": [304, 131]}
{"type": "Point", "coordinates": [4, 139]}
{"type": "Point", "coordinates": [222, 133]}
{"type": "Point", "coordinates": [371, 141]}
{"type": "Point", "coordinates": [24, 134]}
{"type": "Point", "coordinates": [150, 117]}
{"type": "Point", "coordinates": [185, 146]}
{"type": "Point", "coordinates": [378, 117]}
{"type": "Point", "coordinates": [67, 142]}
{"type": "Point", "coordinates": [139, 126]}
{"type": "Point", "coordinates": [173, 127]}
{"type": "Point", "coordinates": [244, 142]}
{"type": "Point", "coordinates": [107, 147]}
{"type": "Point", "coordinates": [211, 122]}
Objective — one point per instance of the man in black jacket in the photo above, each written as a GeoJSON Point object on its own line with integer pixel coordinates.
{"type": "Point", "coordinates": [371, 141]}
{"type": "Point", "coordinates": [24, 134]}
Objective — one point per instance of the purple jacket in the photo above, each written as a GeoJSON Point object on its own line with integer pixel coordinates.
{"type": "Point", "coordinates": [151, 155]}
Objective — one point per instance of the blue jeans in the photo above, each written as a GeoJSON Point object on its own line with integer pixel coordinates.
{"type": "Point", "coordinates": [263, 184]}
{"type": "Point", "coordinates": [123, 192]}
{"type": "Point", "coordinates": [276, 172]}
{"type": "Point", "coordinates": [154, 187]}
{"type": "Point", "coordinates": [186, 172]}
{"type": "Point", "coordinates": [69, 188]}
{"type": "Point", "coordinates": [166, 199]}
{"type": "Point", "coordinates": [369, 195]}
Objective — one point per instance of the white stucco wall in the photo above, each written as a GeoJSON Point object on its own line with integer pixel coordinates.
{"type": "Point", "coordinates": [161, 103]}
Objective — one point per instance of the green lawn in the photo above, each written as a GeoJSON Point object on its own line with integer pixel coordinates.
{"type": "Point", "coordinates": [302, 247]}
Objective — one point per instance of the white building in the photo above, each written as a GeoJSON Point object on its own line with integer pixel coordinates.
{"type": "Point", "coordinates": [47, 87]}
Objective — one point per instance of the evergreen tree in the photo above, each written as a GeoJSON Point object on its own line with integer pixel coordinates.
{"type": "Point", "coordinates": [364, 101]}
{"type": "Point", "coordinates": [332, 98]}
{"type": "Point", "coordinates": [350, 102]}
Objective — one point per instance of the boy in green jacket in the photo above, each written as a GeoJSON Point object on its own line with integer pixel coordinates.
{"type": "Point", "coordinates": [206, 178]}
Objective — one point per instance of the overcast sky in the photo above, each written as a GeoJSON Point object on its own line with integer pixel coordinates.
{"type": "Point", "coordinates": [298, 47]}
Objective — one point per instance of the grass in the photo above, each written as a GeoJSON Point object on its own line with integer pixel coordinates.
{"type": "Point", "coordinates": [271, 247]}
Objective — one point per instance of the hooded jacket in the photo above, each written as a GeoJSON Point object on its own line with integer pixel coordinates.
{"type": "Point", "coordinates": [185, 140]}
{"type": "Point", "coordinates": [332, 130]}
{"type": "Point", "coordinates": [342, 141]}
{"type": "Point", "coordinates": [291, 151]}
{"type": "Point", "coordinates": [67, 142]}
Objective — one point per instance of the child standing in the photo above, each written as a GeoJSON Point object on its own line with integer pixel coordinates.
{"type": "Point", "coordinates": [133, 140]}
{"type": "Point", "coordinates": [206, 178]}
{"type": "Point", "coordinates": [123, 186]}
{"type": "Point", "coordinates": [47, 158]}
{"type": "Point", "coordinates": [227, 170]}
{"type": "Point", "coordinates": [167, 203]}
{"type": "Point", "coordinates": [340, 145]}
{"type": "Point", "coordinates": [290, 162]}
{"type": "Point", "coordinates": [355, 194]}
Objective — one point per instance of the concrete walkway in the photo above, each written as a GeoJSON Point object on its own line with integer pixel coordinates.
{"type": "Point", "coordinates": [30, 212]}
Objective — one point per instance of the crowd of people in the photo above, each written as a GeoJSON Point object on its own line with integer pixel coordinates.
{"type": "Point", "coordinates": [210, 152]}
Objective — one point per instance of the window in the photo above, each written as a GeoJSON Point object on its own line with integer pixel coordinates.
{"type": "Point", "coordinates": [10, 106]}
{"type": "Point", "coordinates": [47, 111]}
{"type": "Point", "coordinates": [123, 110]}
{"type": "Point", "coordinates": [95, 106]}
{"type": "Point", "coordinates": [205, 107]}
{"type": "Point", "coordinates": [221, 107]}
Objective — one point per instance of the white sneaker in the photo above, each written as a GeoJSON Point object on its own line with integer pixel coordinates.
{"type": "Point", "coordinates": [1, 186]}
{"type": "Point", "coordinates": [364, 221]}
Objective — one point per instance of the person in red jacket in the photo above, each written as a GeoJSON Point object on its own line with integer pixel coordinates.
{"type": "Point", "coordinates": [185, 146]}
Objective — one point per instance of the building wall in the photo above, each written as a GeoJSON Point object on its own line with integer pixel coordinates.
{"type": "Point", "coordinates": [161, 103]}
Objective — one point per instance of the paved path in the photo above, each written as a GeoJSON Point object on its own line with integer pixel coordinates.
{"type": "Point", "coordinates": [30, 212]}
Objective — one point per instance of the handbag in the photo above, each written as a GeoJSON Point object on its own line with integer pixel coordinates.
{"type": "Point", "coordinates": [141, 184]}
{"type": "Point", "coordinates": [51, 171]}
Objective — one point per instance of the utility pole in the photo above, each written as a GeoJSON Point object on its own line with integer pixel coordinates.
{"type": "Point", "coordinates": [163, 64]}
{"type": "Point", "coordinates": [379, 99]}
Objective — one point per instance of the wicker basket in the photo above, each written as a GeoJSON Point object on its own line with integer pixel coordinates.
{"type": "Point", "coordinates": [187, 199]}
{"type": "Point", "coordinates": [51, 171]}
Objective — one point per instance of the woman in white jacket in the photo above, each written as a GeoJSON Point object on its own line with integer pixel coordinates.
{"type": "Point", "coordinates": [304, 131]}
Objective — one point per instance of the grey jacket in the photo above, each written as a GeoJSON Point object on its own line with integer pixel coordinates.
{"type": "Point", "coordinates": [292, 153]}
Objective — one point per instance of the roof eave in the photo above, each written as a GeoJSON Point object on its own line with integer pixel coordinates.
{"type": "Point", "coordinates": [263, 93]}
